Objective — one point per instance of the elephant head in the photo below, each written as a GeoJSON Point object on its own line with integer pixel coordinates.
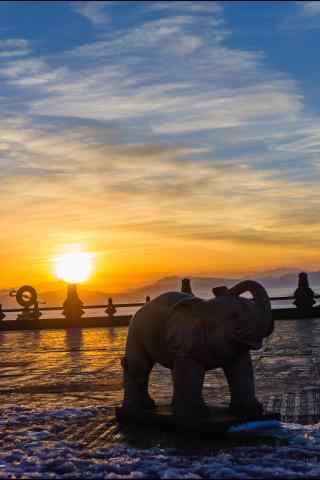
{"type": "Point", "coordinates": [216, 326]}
{"type": "Point", "coordinates": [253, 320]}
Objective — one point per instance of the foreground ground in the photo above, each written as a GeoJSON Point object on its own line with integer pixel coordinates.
{"type": "Point", "coordinates": [58, 390]}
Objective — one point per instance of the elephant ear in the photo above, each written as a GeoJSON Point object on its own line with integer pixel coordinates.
{"type": "Point", "coordinates": [183, 326]}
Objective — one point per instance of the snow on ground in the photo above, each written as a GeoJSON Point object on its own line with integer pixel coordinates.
{"type": "Point", "coordinates": [31, 448]}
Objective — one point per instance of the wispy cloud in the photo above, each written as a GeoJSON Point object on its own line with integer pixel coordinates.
{"type": "Point", "coordinates": [305, 16]}
{"type": "Point", "coordinates": [126, 79]}
{"type": "Point", "coordinates": [309, 9]}
{"type": "Point", "coordinates": [94, 11]}
{"type": "Point", "coordinates": [217, 195]}
{"type": "Point", "coordinates": [14, 47]}
{"type": "Point", "coordinates": [175, 79]}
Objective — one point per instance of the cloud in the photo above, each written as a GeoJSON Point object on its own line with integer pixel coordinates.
{"type": "Point", "coordinates": [94, 11]}
{"type": "Point", "coordinates": [31, 72]}
{"type": "Point", "coordinates": [173, 77]}
{"type": "Point", "coordinates": [303, 17]}
{"type": "Point", "coordinates": [14, 47]}
{"type": "Point", "coordinates": [153, 191]}
{"type": "Point", "coordinates": [309, 9]}
{"type": "Point", "coordinates": [193, 7]}
{"type": "Point", "coordinates": [238, 107]}
{"type": "Point", "coordinates": [202, 97]}
{"type": "Point", "coordinates": [171, 35]}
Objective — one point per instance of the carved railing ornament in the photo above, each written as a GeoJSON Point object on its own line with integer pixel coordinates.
{"type": "Point", "coordinates": [111, 309]}
{"type": "Point", "coordinates": [186, 286]}
{"type": "Point", "coordinates": [304, 297]}
{"type": "Point", "coordinates": [27, 297]}
{"type": "Point", "coordinates": [72, 307]}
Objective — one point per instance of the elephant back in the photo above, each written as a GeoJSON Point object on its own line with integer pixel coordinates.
{"type": "Point", "coordinates": [153, 325]}
{"type": "Point", "coordinates": [185, 333]}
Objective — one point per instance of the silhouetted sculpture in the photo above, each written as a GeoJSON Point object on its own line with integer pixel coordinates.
{"type": "Point", "coordinates": [186, 286]}
{"type": "Point", "coordinates": [220, 291]}
{"type": "Point", "coordinates": [304, 295]}
{"type": "Point", "coordinates": [111, 309]}
{"type": "Point", "coordinates": [27, 297]}
{"type": "Point", "coordinates": [189, 336]}
{"type": "Point", "coordinates": [72, 307]}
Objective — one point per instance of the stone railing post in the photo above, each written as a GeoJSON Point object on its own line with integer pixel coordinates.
{"type": "Point", "coordinates": [111, 309]}
{"type": "Point", "coordinates": [186, 286]}
{"type": "Point", "coordinates": [304, 295]}
{"type": "Point", "coordinates": [26, 314]}
{"type": "Point", "coordinates": [36, 312]}
{"type": "Point", "coordinates": [147, 299]}
{"type": "Point", "coordinates": [72, 306]}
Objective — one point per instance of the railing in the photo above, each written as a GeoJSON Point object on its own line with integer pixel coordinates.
{"type": "Point", "coordinates": [110, 309]}
{"type": "Point", "coordinates": [73, 308]}
{"type": "Point", "coordinates": [279, 299]}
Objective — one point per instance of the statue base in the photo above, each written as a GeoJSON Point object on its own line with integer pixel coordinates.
{"type": "Point", "coordinates": [219, 422]}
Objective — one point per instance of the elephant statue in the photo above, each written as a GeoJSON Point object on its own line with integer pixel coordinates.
{"type": "Point", "coordinates": [189, 336]}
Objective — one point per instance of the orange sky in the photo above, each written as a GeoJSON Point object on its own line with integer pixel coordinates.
{"type": "Point", "coordinates": [147, 215]}
{"type": "Point", "coordinates": [130, 260]}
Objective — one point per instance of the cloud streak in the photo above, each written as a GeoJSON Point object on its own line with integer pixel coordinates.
{"type": "Point", "coordinates": [216, 195]}
{"type": "Point", "coordinates": [309, 9]}
{"type": "Point", "coordinates": [14, 47]}
{"type": "Point", "coordinates": [94, 11]}
{"type": "Point", "coordinates": [304, 17]}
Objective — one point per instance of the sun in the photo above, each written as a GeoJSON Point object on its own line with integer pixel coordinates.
{"type": "Point", "coordinates": [74, 267]}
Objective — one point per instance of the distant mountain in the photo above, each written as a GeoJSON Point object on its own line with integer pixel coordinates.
{"type": "Point", "coordinates": [280, 272]}
{"type": "Point", "coordinates": [202, 286]}
{"type": "Point", "coordinates": [289, 280]}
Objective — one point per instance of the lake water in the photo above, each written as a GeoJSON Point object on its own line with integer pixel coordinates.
{"type": "Point", "coordinates": [75, 365]}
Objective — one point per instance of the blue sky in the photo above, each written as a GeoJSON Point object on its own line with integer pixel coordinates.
{"type": "Point", "coordinates": [194, 125]}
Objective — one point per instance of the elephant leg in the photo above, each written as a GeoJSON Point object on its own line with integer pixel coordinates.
{"type": "Point", "coordinates": [188, 377]}
{"type": "Point", "coordinates": [137, 366]}
{"type": "Point", "coordinates": [240, 377]}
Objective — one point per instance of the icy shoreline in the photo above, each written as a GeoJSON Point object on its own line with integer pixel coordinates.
{"type": "Point", "coordinates": [31, 448]}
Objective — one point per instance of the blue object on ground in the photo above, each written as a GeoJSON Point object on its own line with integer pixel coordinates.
{"type": "Point", "coordinates": [255, 425]}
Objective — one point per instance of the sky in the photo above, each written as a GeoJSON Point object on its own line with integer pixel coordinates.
{"type": "Point", "coordinates": [168, 138]}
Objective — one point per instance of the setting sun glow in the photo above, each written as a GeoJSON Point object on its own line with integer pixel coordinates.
{"type": "Point", "coordinates": [74, 267]}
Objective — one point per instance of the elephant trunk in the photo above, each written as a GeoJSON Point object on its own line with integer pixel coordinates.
{"type": "Point", "coordinates": [261, 300]}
